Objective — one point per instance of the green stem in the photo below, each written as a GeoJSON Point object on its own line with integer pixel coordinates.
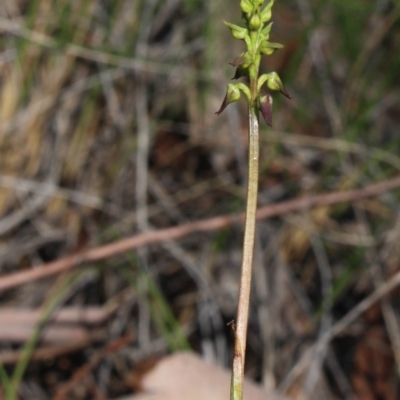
{"type": "Point", "coordinates": [248, 249]}
{"type": "Point", "coordinates": [5, 381]}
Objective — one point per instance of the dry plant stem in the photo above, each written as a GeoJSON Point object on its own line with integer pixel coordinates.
{"type": "Point", "coordinates": [247, 261]}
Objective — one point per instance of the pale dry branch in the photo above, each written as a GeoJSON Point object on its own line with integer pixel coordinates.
{"type": "Point", "coordinates": [206, 225]}
{"type": "Point", "coordinates": [10, 357]}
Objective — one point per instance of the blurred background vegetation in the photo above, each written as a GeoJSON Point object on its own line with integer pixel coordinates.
{"type": "Point", "coordinates": [107, 129]}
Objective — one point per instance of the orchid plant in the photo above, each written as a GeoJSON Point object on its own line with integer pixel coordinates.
{"type": "Point", "coordinates": [255, 34]}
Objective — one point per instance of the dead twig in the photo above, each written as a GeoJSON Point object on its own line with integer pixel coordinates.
{"type": "Point", "coordinates": [11, 357]}
{"type": "Point", "coordinates": [99, 253]}
{"type": "Point", "coordinates": [66, 315]}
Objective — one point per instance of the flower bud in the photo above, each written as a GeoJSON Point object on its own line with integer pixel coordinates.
{"type": "Point", "coordinates": [266, 13]}
{"type": "Point", "coordinates": [274, 82]}
{"type": "Point", "coordinates": [265, 104]}
{"type": "Point", "coordinates": [232, 95]}
{"type": "Point", "coordinates": [246, 6]}
{"type": "Point", "coordinates": [244, 60]}
{"type": "Point", "coordinates": [237, 31]}
{"type": "Point", "coordinates": [255, 21]}
{"type": "Point", "coordinates": [269, 48]}
{"type": "Point", "coordinates": [240, 73]}
{"type": "Point", "coordinates": [266, 16]}
{"type": "Point", "coordinates": [267, 51]}
{"type": "Point", "coordinates": [258, 3]}
{"type": "Point", "coordinates": [242, 63]}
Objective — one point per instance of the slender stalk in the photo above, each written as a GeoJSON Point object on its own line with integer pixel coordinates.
{"type": "Point", "coordinates": [247, 260]}
{"type": "Point", "coordinates": [255, 35]}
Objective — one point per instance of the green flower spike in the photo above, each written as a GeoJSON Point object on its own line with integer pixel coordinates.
{"type": "Point", "coordinates": [255, 34]}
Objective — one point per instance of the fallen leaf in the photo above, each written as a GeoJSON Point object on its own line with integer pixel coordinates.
{"type": "Point", "coordinates": [187, 376]}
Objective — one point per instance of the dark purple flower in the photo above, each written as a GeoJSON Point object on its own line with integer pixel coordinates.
{"type": "Point", "coordinates": [265, 103]}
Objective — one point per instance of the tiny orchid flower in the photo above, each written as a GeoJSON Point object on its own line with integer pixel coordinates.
{"type": "Point", "coordinates": [233, 94]}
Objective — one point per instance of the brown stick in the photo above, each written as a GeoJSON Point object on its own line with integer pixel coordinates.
{"type": "Point", "coordinates": [18, 278]}
{"type": "Point", "coordinates": [10, 357]}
